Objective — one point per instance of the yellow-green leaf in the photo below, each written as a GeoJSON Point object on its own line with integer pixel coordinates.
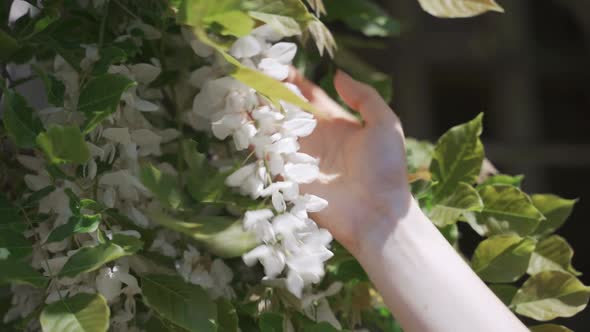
{"type": "Point", "coordinates": [20, 121]}
{"type": "Point", "coordinates": [183, 304]}
{"type": "Point", "coordinates": [80, 313]}
{"type": "Point", "coordinates": [76, 224]}
{"type": "Point", "coordinates": [504, 292]}
{"type": "Point", "coordinates": [100, 97]}
{"type": "Point", "coordinates": [223, 236]}
{"type": "Point", "coordinates": [502, 258]}
{"type": "Point", "coordinates": [459, 8]}
{"type": "Point", "coordinates": [64, 144]}
{"type": "Point", "coordinates": [555, 209]}
{"type": "Point", "coordinates": [285, 25]}
{"type": "Point", "coordinates": [551, 294]}
{"type": "Point", "coordinates": [274, 90]}
{"type": "Point", "coordinates": [89, 259]}
{"type": "Point", "coordinates": [458, 156]}
{"type": "Point", "coordinates": [549, 328]}
{"type": "Point", "coordinates": [163, 185]}
{"type": "Point", "coordinates": [506, 210]}
{"type": "Point", "coordinates": [463, 200]}
{"type": "Point", "coordinates": [235, 23]}
{"type": "Point", "coordinates": [552, 254]}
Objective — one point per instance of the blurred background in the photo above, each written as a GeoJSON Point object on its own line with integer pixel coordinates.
{"type": "Point", "coordinates": [528, 70]}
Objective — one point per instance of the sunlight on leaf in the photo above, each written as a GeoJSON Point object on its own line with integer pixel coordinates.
{"type": "Point", "coordinates": [551, 294]}
{"type": "Point", "coordinates": [459, 8]}
{"type": "Point", "coordinates": [502, 258]}
{"type": "Point", "coordinates": [80, 313]}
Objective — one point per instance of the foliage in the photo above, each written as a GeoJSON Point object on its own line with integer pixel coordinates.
{"type": "Point", "coordinates": [119, 210]}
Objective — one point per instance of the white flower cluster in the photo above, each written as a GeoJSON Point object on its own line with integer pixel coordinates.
{"type": "Point", "coordinates": [290, 242]}
{"type": "Point", "coordinates": [121, 142]}
{"type": "Point", "coordinates": [290, 239]}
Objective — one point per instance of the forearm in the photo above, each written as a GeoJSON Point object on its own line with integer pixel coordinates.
{"type": "Point", "coordinates": [425, 283]}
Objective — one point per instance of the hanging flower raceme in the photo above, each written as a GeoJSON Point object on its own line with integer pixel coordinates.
{"type": "Point", "coordinates": [289, 239]}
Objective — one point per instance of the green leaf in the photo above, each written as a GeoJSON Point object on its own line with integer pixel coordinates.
{"type": "Point", "coordinates": [80, 313]}
{"type": "Point", "coordinates": [552, 254]}
{"type": "Point", "coordinates": [458, 156]}
{"type": "Point", "coordinates": [344, 267]}
{"type": "Point", "coordinates": [321, 327]}
{"type": "Point", "coordinates": [100, 97]}
{"type": "Point", "coordinates": [12, 241]}
{"type": "Point", "coordinates": [76, 224]}
{"type": "Point", "coordinates": [510, 180]}
{"type": "Point", "coordinates": [8, 46]}
{"type": "Point", "coordinates": [50, 15]}
{"type": "Point", "coordinates": [549, 328]}
{"type": "Point", "coordinates": [451, 233]}
{"type": "Point", "coordinates": [274, 90]}
{"type": "Point", "coordinates": [227, 317]}
{"type": "Point", "coordinates": [64, 144]}
{"type": "Point", "coordinates": [108, 56]}
{"type": "Point", "coordinates": [502, 258]}
{"type": "Point", "coordinates": [284, 25]}
{"type": "Point", "coordinates": [551, 294]}
{"type": "Point", "coordinates": [271, 322]}
{"type": "Point", "coordinates": [19, 272]}
{"type": "Point", "coordinates": [459, 8]}
{"type": "Point", "coordinates": [186, 305]}
{"type": "Point", "coordinates": [504, 292]}
{"type": "Point", "coordinates": [222, 236]}
{"type": "Point", "coordinates": [506, 210]}
{"type": "Point", "coordinates": [54, 88]}
{"type": "Point", "coordinates": [418, 153]}
{"type": "Point", "coordinates": [164, 186]}
{"type": "Point", "coordinates": [89, 259]}
{"type": "Point", "coordinates": [235, 23]}
{"type": "Point", "coordinates": [364, 16]}
{"type": "Point", "coordinates": [464, 199]}
{"type": "Point", "coordinates": [196, 161]}
{"type": "Point", "coordinates": [555, 209]}
{"type": "Point", "coordinates": [36, 196]}
{"type": "Point", "coordinates": [20, 121]}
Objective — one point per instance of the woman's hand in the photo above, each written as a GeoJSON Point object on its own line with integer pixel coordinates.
{"type": "Point", "coordinates": [425, 283]}
{"type": "Point", "coordinates": [363, 164]}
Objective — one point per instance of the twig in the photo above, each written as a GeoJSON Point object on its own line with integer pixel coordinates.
{"type": "Point", "coordinates": [103, 23]}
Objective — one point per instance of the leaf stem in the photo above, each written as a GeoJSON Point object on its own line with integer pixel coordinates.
{"type": "Point", "coordinates": [103, 23]}
{"type": "Point", "coordinates": [127, 10]}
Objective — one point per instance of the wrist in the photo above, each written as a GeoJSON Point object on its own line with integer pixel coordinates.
{"type": "Point", "coordinates": [383, 219]}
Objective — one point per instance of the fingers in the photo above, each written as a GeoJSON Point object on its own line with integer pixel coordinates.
{"type": "Point", "coordinates": [308, 89]}
{"type": "Point", "coordinates": [362, 98]}
{"type": "Point", "coordinates": [317, 97]}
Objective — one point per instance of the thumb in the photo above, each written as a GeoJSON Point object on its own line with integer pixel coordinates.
{"type": "Point", "coordinates": [362, 98]}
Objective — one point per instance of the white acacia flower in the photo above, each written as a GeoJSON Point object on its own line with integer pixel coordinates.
{"type": "Point", "coordinates": [201, 75]}
{"type": "Point", "coordinates": [301, 173]}
{"type": "Point", "coordinates": [245, 47]}
{"type": "Point", "coordinates": [274, 68]}
{"type": "Point", "coordinates": [200, 48]}
{"type": "Point", "coordinates": [257, 222]}
{"type": "Point", "coordinates": [270, 257]}
{"type": "Point", "coordinates": [281, 52]}
{"type": "Point", "coordinates": [268, 33]}
{"type": "Point", "coordinates": [117, 135]}
{"type": "Point", "coordinates": [31, 163]}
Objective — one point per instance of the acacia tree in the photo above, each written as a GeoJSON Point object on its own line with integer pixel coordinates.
{"type": "Point", "coordinates": [157, 188]}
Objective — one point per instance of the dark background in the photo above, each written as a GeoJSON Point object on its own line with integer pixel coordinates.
{"type": "Point", "coordinates": [528, 70]}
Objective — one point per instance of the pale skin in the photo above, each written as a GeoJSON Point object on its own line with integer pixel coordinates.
{"type": "Point", "coordinates": [425, 283]}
